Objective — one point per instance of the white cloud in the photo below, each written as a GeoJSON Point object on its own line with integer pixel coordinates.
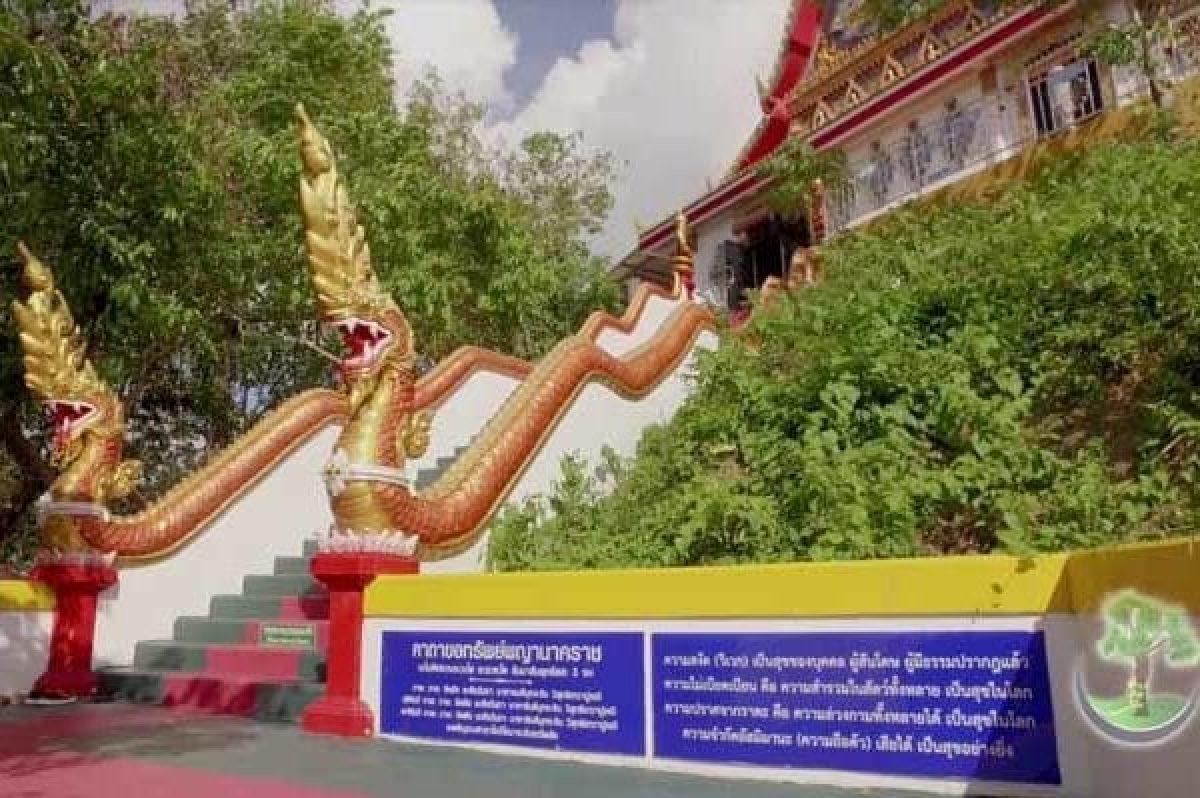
{"type": "Point", "coordinates": [672, 97]}
{"type": "Point", "coordinates": [464, 40]}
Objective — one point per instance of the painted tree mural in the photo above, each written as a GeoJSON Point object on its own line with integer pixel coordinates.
{"type": "Point", "coordinates": [1139, 631]}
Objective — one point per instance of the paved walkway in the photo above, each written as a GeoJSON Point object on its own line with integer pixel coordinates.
{"type": "Point", "coordinates": [118, 751]}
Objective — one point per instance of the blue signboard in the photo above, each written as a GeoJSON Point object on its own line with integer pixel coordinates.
{"type": "Point", "coordinates": [970, 705]}
{"type": "Point", "coordinates": [573, 692]}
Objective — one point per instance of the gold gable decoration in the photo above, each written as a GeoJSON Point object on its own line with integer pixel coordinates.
{"type": "Point", "coordinates": [843, 78]}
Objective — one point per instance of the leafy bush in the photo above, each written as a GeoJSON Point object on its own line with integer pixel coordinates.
{"type": "Point", "coordinates": [1020, 376]}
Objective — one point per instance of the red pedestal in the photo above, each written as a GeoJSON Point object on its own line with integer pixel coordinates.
{"type": "Point", "coordinates": [340, 711]}
{"type": "Point", "coordinates": [76, 590]}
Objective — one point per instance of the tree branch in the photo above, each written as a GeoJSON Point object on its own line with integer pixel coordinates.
{"type": "Point", "coordinates": [320, 352]}
{"type": "Point", "coordinates": [22, 451]}
{"type": "Point", "coordinates": [33, 473]}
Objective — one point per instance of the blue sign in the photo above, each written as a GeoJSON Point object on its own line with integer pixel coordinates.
{"type": "Point", "coordinates": [969, 705]}
{"type": "Point", "coordinates": [573, 692]}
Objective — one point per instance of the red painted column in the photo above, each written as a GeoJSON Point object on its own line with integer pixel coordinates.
{"type": "Point", "coordinates": [341, 711]}
{"type": "Point", "coordinates": [76, 591]}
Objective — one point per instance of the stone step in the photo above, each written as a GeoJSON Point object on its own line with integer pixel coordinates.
{"type": "Point", "coordinates": [246, 660]}
{"type": "Point", "coordinates": [247, 630]}
{"type": "Point", "coordinates": [427, 476]}
{"type": "Point", "coordinates": [267, 700]}
{"type": "Point", "coordinates": [312, 607]}
{"type": "Point", "coordinates": [292, 565]}
{"type": "Point", "coordinates": [280, 585]}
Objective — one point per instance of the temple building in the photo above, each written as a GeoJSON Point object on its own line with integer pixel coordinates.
{"type": "Point", "coordinates": [912, 111]}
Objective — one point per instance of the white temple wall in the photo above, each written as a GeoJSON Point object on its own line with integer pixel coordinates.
{"type": "Point", "coordinates": [709, 236]}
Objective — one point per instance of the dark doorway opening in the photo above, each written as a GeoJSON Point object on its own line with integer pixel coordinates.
{"type": "Point", "coordinates": [766, 250]}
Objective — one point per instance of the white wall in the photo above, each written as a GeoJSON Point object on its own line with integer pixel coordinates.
{"type": "Point", "coordinates": [709, 235]}
{"type": "Point", "coordinates": [656, 311]}
{"type": "Point", "coordinates": [998, 116]}
{"type": "Point", "coordinates": [24, 647]}
{"type": "Point", "coordinates": [272, 519]}
{"type": "Point", "coordinates": [464, 412]}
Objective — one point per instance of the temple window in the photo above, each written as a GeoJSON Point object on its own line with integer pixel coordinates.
{"type": "Point", "coordinates": [1065, 95]}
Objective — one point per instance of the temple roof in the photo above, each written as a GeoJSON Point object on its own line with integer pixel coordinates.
{"type": "Point", "coordinates": [835, 71]}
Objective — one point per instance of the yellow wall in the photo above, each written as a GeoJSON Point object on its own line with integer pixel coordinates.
{"type": "Point", "coordinates": [987, 585]}
{"type": "Point", "coordinates": [21, 595]}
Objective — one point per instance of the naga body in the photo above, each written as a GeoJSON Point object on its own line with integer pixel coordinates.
{"type": "Point", "coordinates": [367, 476]}
{"type": "Point", "coordinates": [89, 433]}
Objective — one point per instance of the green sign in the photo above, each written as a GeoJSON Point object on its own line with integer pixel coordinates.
{"type": "Point", "coordinates": [294, 635]}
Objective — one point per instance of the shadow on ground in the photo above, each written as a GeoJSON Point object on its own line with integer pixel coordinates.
{"type": "Point", "coordinates": [32, 741]}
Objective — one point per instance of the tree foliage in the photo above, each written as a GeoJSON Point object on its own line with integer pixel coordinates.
{"type": "Point", "coordinates": [1019, 376]}
{"type": "Point", "coordinates": [1137, 626]}
{"type": "Point", "coordinates": [793, 169]}
{"type": "Point", "coordinates": [152, 164]}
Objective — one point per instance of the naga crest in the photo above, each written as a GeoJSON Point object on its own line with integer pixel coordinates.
{"type": "Point", "coordinates": [380, 364]}
{"type": "Point", "coordinates": [349, 296]}
{"type": "Point", "coordinates": [87, 416]}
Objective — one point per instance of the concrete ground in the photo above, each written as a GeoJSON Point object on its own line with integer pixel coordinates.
{"type": "Point", "coordinates": [120, 751]}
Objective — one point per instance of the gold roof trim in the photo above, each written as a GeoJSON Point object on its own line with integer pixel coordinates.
{"type": "Point", "coordinates": [842, 73]}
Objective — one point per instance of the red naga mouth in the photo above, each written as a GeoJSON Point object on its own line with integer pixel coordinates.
{"type": "Point", "coordinates": [66, 417]}
{"type": "Point", "coordinates": [366, 340]}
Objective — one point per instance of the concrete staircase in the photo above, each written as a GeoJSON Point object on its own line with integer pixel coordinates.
{"type": "Point", "coordinates": [259, 654]}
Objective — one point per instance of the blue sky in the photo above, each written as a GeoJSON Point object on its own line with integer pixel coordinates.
{"type": "Point", "coordinates": [547, 30]}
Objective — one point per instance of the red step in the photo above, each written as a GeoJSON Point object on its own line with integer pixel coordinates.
{"type": "Point", "coordinates": [227, 695]}
{"type": "Point", "coordinates": [309, 607]}
{"type": "Point", "coordinates": [260, 662]}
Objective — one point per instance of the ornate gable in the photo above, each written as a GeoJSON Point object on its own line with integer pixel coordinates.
{"type": "Point", "coordinates": [854, 62]}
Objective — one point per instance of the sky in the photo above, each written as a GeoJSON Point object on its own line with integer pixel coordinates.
{"type": "Point", "coordinates": [666, 86]}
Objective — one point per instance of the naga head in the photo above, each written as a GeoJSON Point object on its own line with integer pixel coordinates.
{"type": "Point", "coordinates": [349, 296]}
{"type": "Point", "coordinates": [87, 416]}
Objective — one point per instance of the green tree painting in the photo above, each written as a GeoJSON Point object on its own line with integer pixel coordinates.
{"type": "Point", "coordinates": [1140, 632]}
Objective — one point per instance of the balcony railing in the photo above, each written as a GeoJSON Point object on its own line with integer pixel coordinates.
{"type": "Point", "coordinates": [976, 136]}
{"type": "Point", "coordinates": [965, 139]}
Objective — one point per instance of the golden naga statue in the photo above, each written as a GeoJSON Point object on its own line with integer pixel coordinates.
{"type": "Point", "coordinates": [88, 419]}
{"type": "Point", "coordinates": [380, 371]}
{"type": "Point", "coordinates": [89, 432]}
{"type": "Point", "coordinates": [683, 247]}
{"type": "Point", "coordinates": [372, 495]}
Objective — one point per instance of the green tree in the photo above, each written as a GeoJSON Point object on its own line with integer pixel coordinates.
{"type": "Point", "coordinates": [152, 163]}
{"type": "Point", "coordinates": [794, 168]}
{"type": "Point", "coordinates": [1138, 43]}
{"type": "Point", "coordinates": [1138, 631]}
{"type": "Point", "coordinates": [1018, 375]}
